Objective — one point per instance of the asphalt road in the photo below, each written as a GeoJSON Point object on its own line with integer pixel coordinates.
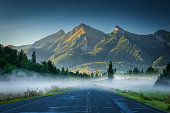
{"type": "Point", "coordinates": [88, 100]}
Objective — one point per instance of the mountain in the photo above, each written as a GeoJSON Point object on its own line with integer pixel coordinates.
{"type": "Point", "coordinates": [85, 47]}
{"type": "Point", "coordinates": [139, 50]}
{"type": "Point", "coordinates": [40, 46]}
{"type": "Point", "coordinates": [19, 48]}
{"type": "Point", "coordinates": [72, 48]}
{"type": "Point", "coordinates": [49, 39]}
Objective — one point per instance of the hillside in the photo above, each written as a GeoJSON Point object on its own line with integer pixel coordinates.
{"type": "Point", "coordinates": [85, 45]}
{"type": "Point", "coordinates": [72, 48]}
{"type": "Point", "coordinates": [139, 50]}
{"type": "Point", "coordinates": [49, 39]}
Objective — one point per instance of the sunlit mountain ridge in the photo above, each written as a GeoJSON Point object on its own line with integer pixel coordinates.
{"type": "Point", "coordinates": [86, 45]}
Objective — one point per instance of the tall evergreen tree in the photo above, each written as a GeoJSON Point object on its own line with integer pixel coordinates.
{"type": "Point", "coordinates": [44, 67]}
{"type": "Point", "coordinates": [92, 75]}
{"type": "Point", "coordinates": [23, 60]}
{"type": "Point", "coordinates": [63, 72]}
{"type": "Point", "coordinates": [97, 73]}
{"type": "Point", "coordinates": [110, 71]}
{"type": "Point", "coordinates": [164, 78]}
{"type": "Point", "coordinates": [33, 57]}
{"type": "Point", "coordinates": [130, 72]}
{"type": "Point", "coordinates": [142, 72]}
{"type": "Point", "coordinates": [67, 71]}
{"type": "Point", "coordinates": [136, 71]}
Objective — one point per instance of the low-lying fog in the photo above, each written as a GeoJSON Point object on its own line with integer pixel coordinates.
{"type": "Point", "coordinates": [19, 81]}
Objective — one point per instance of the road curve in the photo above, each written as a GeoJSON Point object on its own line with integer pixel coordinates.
{"type": "Point", "coordinates": [87, 100]}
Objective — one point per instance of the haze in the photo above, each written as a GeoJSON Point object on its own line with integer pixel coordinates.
{"type": "Point", "coordinates": [24, 22]}
{"type": "Point", "coordinates": [20, 81]}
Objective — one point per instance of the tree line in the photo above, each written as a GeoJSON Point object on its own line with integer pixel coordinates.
{"type": "Point", "coordinates": [11, 59]}
{"type": "Point", "coordinates": [149, 70]}
{"type": "Point", "coordinates": [164, 78]}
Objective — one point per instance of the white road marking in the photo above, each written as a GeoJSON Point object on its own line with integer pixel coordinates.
{"type": "Point", "coordinates": [123, 107]}
{"type": "Point", "coordinates": [54, 109]}
{"type": "Point", "coordinates": [67, 107]}
{"type": "Point", "coordinates": [87, 102]}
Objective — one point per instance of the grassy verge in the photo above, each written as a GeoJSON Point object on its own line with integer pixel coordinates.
{"type": "Point", "coordinates": [29, 94]}
{"type": "Point", "coordinates": [155, 99]}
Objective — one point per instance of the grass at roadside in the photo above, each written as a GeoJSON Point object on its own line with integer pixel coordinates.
{"type": "Point", "coordinates": [155, 99]}
{"type": "Point", "coordinates": [9, 98]}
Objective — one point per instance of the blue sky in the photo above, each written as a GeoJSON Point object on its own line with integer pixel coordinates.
{"type": "Point", "coordinates": [26, 21]}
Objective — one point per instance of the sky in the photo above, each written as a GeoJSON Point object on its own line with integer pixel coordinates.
{"type": "Point", "coordinates": [26, 21]}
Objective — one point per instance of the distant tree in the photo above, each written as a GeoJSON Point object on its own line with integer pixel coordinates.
{"type": "Point", "coordinates": [57, 71]}
{"type": "Point", "coordinates": [33, 57]}
{"type": "Point", "coordinates": [92, 75]}
{"type": "Point", "coordinates": [44, 67]}
{"type": "Point", "coordinates": [156, 71]}
{"type": "Point", "coordinates": [67, 71]}
{"type": "Point", "coordinates": [136, 71]}
{"type": "Point", "coordinates": [164, 78]}
{"type": "Point", "coordinates": [130, 72]}
{"type": "Point", "coordinates": [3, 62]}
{"type": "Point", "coordinates": [8, 68]}
{"type": "Point", "coordinates": [23, 60]}
{"type": "Point", "coordinates": [50, 67]}
{"type": "Point", "coordinates": [70, 73]}
{"type": "Point", "coordinates": [151, 70]}
{"type": "Point", "coordinates": [85, 75]}
{"type": "Point", "coordinates": [142, 72]}
{"type": "Point", "coordinates": [110, 71]}
{"type": "Point", "coordinates": [97, 73]}
{"type": "Point", "coordinates": [77, 73]}
{"type": "Point", "coordinates": [63, 72]}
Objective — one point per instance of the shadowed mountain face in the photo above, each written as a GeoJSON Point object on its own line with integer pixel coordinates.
{"type": "Point", "coordinates": [49, 39]}
{"type": "Point", "coordinates": [139, 50]}
{"type": "Point", "coordinates": [84, 44]}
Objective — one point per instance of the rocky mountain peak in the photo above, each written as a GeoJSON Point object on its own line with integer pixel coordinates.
{"type": "Point", "coordinates": [163, 36]}
{"type": "Point", "coordinates": [119, 30]}
{"type": "Point", "coordinates": [10, 46]}
{"type": "Point", "coordinates": [82, 25]}
{"type": "Point", "coordinates": [61, 31]}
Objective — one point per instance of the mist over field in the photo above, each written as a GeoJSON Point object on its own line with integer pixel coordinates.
{"type": "Point", "coordinates": [20, 81]}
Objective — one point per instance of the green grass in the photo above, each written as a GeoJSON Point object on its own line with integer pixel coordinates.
{"type": "Point", "coordinates": [158, 100]}
{"type": "Point", "coordinates": [23, 97]}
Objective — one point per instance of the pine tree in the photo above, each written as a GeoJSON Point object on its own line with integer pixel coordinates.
{"type": "Point", "coordinates": [136, 70]}
{"type": "Point", "coordinates": [23, 60]}
{"type": "Point", "coordinates": [63, 72]}
{"type": "Point", "coordinates": [142, 72]}
{"type": "Point", "coordinates": [110, 71]}
{"type": "Point", "coordinates": [92, 75]}
{"type": "Point", "coordinates": [164, 78]}
{"type": "Point", "coordinates": [67, 71]}
{"type": "Point", "coordinates": [33, 57]}
{"type": "Point", "coordinates": [97, 73]}
{"type": "Point", "coordinates": [130, 72]}
{"type": "Point", "coordinates": [44, 67]}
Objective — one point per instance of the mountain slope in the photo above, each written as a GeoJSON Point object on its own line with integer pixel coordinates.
{"type": "Point", "coordinates": [19, 48]}
{"type": "Point", "coordinates": [139, 50]}
{"type": "Point", "coordinates": [71, 48]}
{"type": "Point", "coordinates": [41, 46]}
{"type": "Point", "coordinates": [49, 39]}
{"type": "Point", "coordinates": [85, 45]}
